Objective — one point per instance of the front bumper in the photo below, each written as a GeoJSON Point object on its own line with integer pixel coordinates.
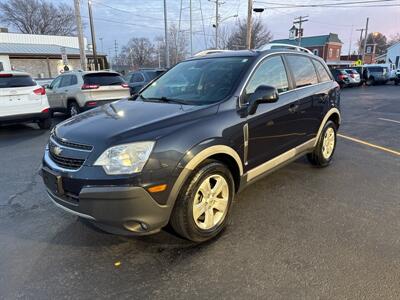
{"type": "Point", "coordinates": [119, 210]}
{"type": "Point", "coordinates": [119, 205]}
{"type": "Point", "coordinates": [23, 118]}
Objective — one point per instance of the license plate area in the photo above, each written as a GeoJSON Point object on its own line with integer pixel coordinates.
{"type": "Point", "coordinates": [52, 181]}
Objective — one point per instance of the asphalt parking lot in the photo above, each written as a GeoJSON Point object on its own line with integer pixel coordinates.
{"type": "Point", "coordinates": [301, 232]}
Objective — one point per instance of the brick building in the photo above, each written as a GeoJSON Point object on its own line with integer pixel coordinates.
{"type": "Point", "coordinates": [329, 46]}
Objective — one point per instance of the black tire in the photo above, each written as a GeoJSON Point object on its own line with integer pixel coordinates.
{"type": "Point", "coordinates": [182, 220]}
{"type": "Point", "coordinates": [44, 124]}
{"type": "Point", "coordinates": [73, 109]}
{"type": "Point", "coordinates": [317, 158]}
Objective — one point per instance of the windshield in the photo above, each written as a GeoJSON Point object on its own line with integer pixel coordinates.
{"type": "Point", "coordinates": [11, 81]}
{"type": "Point", "coordinates": [202, 81]}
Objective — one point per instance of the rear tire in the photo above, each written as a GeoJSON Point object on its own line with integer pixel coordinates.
{"type": "Point", "coordinates": [73, 109]}
{"type": "Point", "coordinates": [44, 124]}
{"type": "Point", "coordinates": [325, 148]}
{"type": "Point", "coordinates": [202, 208]}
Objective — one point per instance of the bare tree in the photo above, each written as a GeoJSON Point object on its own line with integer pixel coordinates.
{"type": "Point", "coordinates": [377, 39]}
{"type": "Point", "coordinates": [139, 52]}
{"type": "Point", "coordinates": [394, 39]}
{"type": "Point", "coordinates": [38, 17]}
{"type": "Point", "coordinates": [260, 35]}
{"type": "Point", "coordinates": [178, 46]}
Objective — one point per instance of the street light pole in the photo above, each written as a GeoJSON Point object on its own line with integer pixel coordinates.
{"type": "Point", "coordinates": [93, 35]}
{"type": "Point", "coordinates": [81, 41]}
{"type": "Point", "coordinates": [167, 64]}
{"type": "Point", "coordinates": [249, 23]}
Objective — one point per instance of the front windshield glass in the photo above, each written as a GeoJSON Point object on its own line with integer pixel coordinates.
{"type": "Point", "coordinates": [199, 82]}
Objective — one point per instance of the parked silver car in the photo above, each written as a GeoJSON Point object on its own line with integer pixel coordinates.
{"type": "Point", "coordinates": [354, 77]}
{"type": "Point", "coordinates": [76, 91]}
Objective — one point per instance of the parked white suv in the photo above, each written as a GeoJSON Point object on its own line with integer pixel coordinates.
{"type": "Point", "coordinates": [23, 100]}
{"type": "Point", "coordinates": [76, 91]}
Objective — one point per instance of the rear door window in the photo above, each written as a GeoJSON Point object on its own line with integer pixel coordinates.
{"type": "Point", "coordinates": [137, 77]}
{"type": "Point", "coordinates": [322, 72]}
{"type": "Point", "coordinates": [65, 80]}
{"type": "Point", "coordinates": [13, 81]}
{"type": "Point", "coordinates": [103, 79]}
{"type": "Point", "coordinates": [303, 70]}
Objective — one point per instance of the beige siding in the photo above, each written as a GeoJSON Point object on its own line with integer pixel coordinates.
{"type": "Point", "coordinates": [39, 67]}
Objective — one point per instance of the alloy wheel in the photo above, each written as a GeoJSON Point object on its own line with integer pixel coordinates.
{"type": "Point", "coordinates": [328, 144]}
{"type": "Point", "coordinates": [211, 202]}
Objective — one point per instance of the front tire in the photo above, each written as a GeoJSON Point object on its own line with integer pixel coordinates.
{"type": "Point", "coordinates": [325, 148]}
{"type": "Point", "coordinates": [202, 208]}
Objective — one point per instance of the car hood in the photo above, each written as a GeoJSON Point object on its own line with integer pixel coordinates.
{"type": "Point", "coordinates": [127, 120]}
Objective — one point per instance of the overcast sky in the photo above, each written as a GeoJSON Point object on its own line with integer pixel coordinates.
{"type": "Point", "coordinates": [121, 20]}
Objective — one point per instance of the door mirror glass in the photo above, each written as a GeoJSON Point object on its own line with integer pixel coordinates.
{"type": "Point", "coordinates": [263, 94]}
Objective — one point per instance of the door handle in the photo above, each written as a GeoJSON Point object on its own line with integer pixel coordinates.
{"type": "Point", "coordinates": [293, 108]}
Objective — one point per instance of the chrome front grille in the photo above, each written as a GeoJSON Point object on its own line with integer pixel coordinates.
{"type": "Point", "coordinates": [67, 162]}
{"type": "Point", "coordinates": [71, 144]}
{"type": "Point", "coordinates": [68, 155]}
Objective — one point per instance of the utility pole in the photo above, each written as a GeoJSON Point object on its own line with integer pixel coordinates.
{"type": "Point", "coordinates": [166, 35]}
{"type": "Point", "coordinates": [80, 34]}
{"type": "Point", "coordinates": [216, 23]}
{"type": "Point", "coordinates": [191, 28]}
{"type": "Point", "coordinates": [249, 23]}
{"type": "Point", "coordinates": [361, 38]}
{"type": "Point", "coordinates": [115, 51]}
{"type": "Point", "coordinates": [365, 41]}
{"type": "Point", "coordinates": [300, 20]}
{"type": "Point", "coordinates": [93, 35]}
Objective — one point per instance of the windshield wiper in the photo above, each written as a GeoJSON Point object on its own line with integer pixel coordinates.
{"type": "Point", "coordinates": [165, 99]}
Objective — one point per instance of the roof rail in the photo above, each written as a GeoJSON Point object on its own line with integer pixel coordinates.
{"type": "Point", "coordinates": [284, 46]}
{"type": "Point", "coordinates": [211, 51]}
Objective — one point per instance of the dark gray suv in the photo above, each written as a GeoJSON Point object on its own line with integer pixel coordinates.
{"type": "Point", "coordinates": [180, 150]}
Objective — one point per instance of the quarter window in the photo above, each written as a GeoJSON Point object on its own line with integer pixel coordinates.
{"type": "Point", "coordinates": [271, 72]}
{"type": "Point", "coordinates": [303, 70]}
{"type": "Point", "coordinates": [322, 72]}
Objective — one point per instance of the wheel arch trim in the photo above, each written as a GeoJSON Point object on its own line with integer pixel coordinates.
{"type": "Point", "coordinates": [330, 113]}
{"type": "Point", "coordinates": [213, 150]}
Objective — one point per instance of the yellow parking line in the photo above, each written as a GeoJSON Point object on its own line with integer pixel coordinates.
{"type": "Point", "coordinates": [370, 145]}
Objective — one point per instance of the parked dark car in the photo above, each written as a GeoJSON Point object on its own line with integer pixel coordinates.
{"type": "Point", "coordinates": [180, 151]}
{"type": "Point", "coordinates": [376, 75]}
{"type": "Point", "coordinates": [341, 77]}
{"type": "Point", "coordinates": [138, 79]}
{"type": "Point", "coordinates": [397, 78]}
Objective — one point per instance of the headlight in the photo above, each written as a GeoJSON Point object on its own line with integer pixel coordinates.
{"type": "Point", "coordinates": [125, 159]}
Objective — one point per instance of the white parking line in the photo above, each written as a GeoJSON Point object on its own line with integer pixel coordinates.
{"type": "Point", "coordinates": [389, 120]}
{"type": "Point", "coordinates": [369, 144]}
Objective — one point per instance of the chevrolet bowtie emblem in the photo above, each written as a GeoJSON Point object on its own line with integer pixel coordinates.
{"type": "Point", "coordinates": [57, 150]}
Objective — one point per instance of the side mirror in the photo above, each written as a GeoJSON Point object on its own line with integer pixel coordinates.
{"type": "Point", "coordinates": [263, 94]}
{"type": "Point", "coordinates": [46, 86]}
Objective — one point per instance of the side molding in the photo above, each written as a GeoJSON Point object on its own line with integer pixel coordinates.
{"type": "Point", "coordinates": [217, 149]}
{"type": "Point", "coordinates": [327, 116]}
{"type": "Point", "coordinates": [279, 160]}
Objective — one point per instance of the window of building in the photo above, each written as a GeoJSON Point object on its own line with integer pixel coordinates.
{"type": "Point", "coordinates": [337, 53]}
{"type": "Point", "coordinates": [316, 52]}
{"type": "Point", "coordinates": [303, 70]}
{"type": "Point", "coordinates": [330, 52]}
{"type": "Point", "coordinates": [271, 72]}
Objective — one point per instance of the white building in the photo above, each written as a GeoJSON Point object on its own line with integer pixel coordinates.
{"type": "Point", "coordinates": [393, 55]}
{"type": "Point", "coordinates": [41, 55]}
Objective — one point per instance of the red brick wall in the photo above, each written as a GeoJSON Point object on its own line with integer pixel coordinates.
{"type": "Point", "coordinates": [332, 52]}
